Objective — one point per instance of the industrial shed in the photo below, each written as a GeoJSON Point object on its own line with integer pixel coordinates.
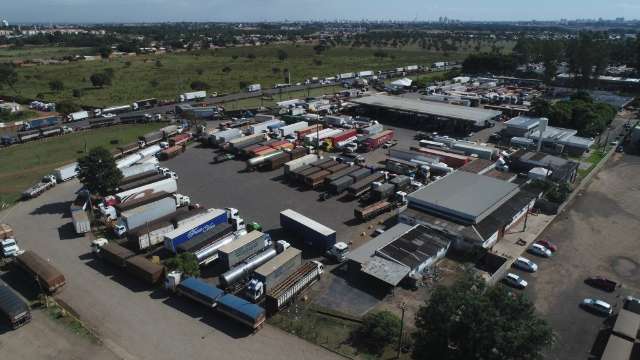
{"type": "Point", "coordinates": [423, 112]}
{"type": "Point", "coordinates": [562, 170]}
{"type": "Point", "coordinates": [402, 251]}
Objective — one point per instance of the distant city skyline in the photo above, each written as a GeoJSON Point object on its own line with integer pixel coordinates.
{"type": "Point", "coordinates": [118, 11]}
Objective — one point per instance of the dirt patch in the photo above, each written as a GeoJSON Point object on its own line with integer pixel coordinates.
{"type": "Point", "coordinates": [625, 267]}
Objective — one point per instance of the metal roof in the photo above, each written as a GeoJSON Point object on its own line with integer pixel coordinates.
{"type": "Point", "coordinates": [523, 122]}
{"type": "Point", "coordinates": [416, 246]}
{"type": "Point", "coordinates": [463, 195]}
{"type": "Point", "coordinates": [386, 270]}
{"type": "Point", "coordinates": [477, 115]}
{"type": "Point", "coordinates": [364, 252]}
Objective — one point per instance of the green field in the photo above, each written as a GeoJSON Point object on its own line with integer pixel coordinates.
{"type": "Point", "coordinates": [165, 76]}
{"type": "Point", "coordinates": [41, 52]}
{"type": "Point", "coordinates": [23, 165]}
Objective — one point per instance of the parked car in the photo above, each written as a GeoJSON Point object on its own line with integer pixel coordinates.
{"type": "Point", "coordinates": [601, 283]}
{"type": "Point", "coordinates": [620, 149]}
{"type": "Point", "coordinates": [390, 144]}
{"type": "Point", "coordinates": [596, 306]}
{"type": "Point", "coordinates": [539, 250]}
{"type": "Point", "coordinates": [525, 264]}
{"type": "Point", "coordinates": [632, 304]}
{"type": "Point", "coordinates": [549, 245]}
{"type": "Point", "coordinates": [515, 281]}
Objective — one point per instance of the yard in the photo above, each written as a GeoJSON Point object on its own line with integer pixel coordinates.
{"type": "Point", "coordinates": [22, 165]}
{"type": "Point", "coordinates": [223, 70]}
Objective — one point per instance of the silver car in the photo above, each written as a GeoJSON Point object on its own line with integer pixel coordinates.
{"type": "Point", "coordinates": [525, 264]}
{"type": "Point", "coordinates": [539, 250]}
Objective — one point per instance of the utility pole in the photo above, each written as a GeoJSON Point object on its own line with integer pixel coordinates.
{"type": "Point", "coordinates": [403, 307]}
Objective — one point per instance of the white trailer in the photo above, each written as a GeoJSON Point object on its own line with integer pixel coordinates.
{"type": "Point", "coordinates": [290, 129]}
{"type": "Point", "coordinates": [346, 76]}
{"type": "Point", "coordinates": [66, 172]}
{"type": "Point", "coordinates": [190, 96]}
{"type": "Point", "coordinates": [167, 185]}
{"type": "Point", "coordinates": [81, 221]}
{"type": "Point", "coordinates": [365, 73]}
{"type": "Point", "coordinates": [305, 160]}
{"type": "Point", "coordinates": [254, 88]}
{"type": "Point", "coordinates": [137, 169]}
{"type": "Point", "coordinates": [77, 116]}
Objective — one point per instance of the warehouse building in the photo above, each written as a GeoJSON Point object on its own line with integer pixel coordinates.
{"type": "Point", "coordinates": [402, 252]}
{"type": "Point", "coordinates": [426, 115]}
{"type": "Point", "coordinates": [559, 169]}
{"type": "Point", "coordinates": [526, 131]}
{"type": "Point", "coordinates": [477, 208]}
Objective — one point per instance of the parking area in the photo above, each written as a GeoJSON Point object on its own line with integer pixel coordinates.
{"type": "Point", "coordinates": [596, 236]}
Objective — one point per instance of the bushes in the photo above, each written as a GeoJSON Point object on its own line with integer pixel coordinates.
{"type": "Point", "coordinates": [376, 332]}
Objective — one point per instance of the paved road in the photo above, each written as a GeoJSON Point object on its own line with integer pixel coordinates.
{"type": "Point", "coordinates": [597, 235]}
{"type": "Point", "coordinates": [134, 322]}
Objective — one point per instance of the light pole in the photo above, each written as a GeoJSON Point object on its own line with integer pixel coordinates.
{"type": "Point", "coordinates": [403, 307]}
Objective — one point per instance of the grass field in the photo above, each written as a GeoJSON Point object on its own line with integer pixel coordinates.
{"type": "Point", "coordinates": [41, 52]}
{"type": "Point", "coordinates": [23, 165]}
{"type": "Point", "coordinates": [165, 76]}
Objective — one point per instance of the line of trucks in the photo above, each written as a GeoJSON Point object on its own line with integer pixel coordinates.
{"type": "Point", "coordinates": [36, 129]}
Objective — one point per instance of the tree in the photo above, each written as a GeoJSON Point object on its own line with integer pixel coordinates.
{"type": "Point", "coordinates": [67, 107]}
{"type": "Point", "coordinates": [100, 80]}
{"type": "Point", "coordinates": [104, 52]}
{"type": "Point", "coordinates": [540, 107]}
{"type": "Point", "coordinates": [468, 320]}
{"type": "Point", "coordinates": [199, 85]}
{"type": "Point", "coordinates": [77, 93]}
{"type": "Point", "coordinates": [377, 331]}
{"type": "Point", "coordinates": [282, 55]}
{"type": "Point", "coordinates": [98, 172]}
{"type": "Point", "coordinates": [8, 75]}
{"type": "Point", "coordinates": [56, 85]}
{"type": "Point", "coordinates": [187, 263]}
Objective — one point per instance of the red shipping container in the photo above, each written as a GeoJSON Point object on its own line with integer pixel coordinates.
{"type": "Point", "coordinates": [258, 149]}
{"type": "Point", "coordinates": [179, 139]}
{"type": "Point", "coordinates": [453, 160]}
{"type": "Point", "coordinates": [377, 140]}
{"type": "Point", "coordinates": [263, 152]}
{"type": "Point", "coordinates": [313, 128]}
{"type": "Point", "coordinates": [343, 136]}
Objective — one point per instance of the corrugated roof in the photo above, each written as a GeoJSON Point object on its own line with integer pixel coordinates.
{"type": "Point", "coordinates": [416, 246]}
{"type": "Point", "coordinates": [386, 270]}
{"type": "Point", "coordinates": [364, 252]}
{"type": "Point", "coordinates": [476, 115]}
{"type": "Point", "coordinates": [523, 122]}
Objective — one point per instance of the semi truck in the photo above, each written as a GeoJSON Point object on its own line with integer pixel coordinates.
{"type": "Point", "coordinates": [196, 226]}
{"type": "Point", "coordinates": [13, 309]}
{"type": "Point", "coordinates": [313, 233]}
{"type": "Point", "coordinates": [363, 186]}
{"type": "Point", "coordinates": [272, 273]}
{"type": "Point", "coordinates": [254, 88]}
{"type": "Point", "coordinates": [243, 248]}
{"type": "Point", "coordinates": [191, 96]}
{"type": "Point", "coordinates": [138, 216]}
{"type": "Point", "coordinates": [264, 126]}
{"type": "Point", "coordinates": [251, 315]}
{"type": "Point", "coordinates": [237, 144]}
{"type": "Point", "coordinates": [45, 184]}
{"type": "Point", "coordinates": [141, 181]}
{"type": "Point", "coordinates": [291, 129]}
{"type": "Point", "coordinates": [78, 116]}
{"type": "Point", "coordinates": [224, 136]}
{"type": "Point", "coordinates": [297, 163]}
{"type": "Point", "coordinates": [46, 275]}
{"type": "Point", "coordinates": [286, 291]}
{"type": "Point", "coordinates": [153, 233]}
{"type": "Point", "coordinates": [66, 172]}
{"type": "Point", "coordinates": [375, 141]}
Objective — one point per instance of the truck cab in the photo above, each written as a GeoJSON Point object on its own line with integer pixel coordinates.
{"type": "Point", "coordinates": [254, 290]}
{"type": "Point", "coordinates": [182, 200]}
{"type": "Point", "coordinates": [50, 179]}
{"type": "Point", "coordinates": [119, 229]}
{"type": "Point", "coordinates": [172, 280]}
{"type": "Point", "coordinates": [97, 244]}
{"type": "Point", "coordinates": [338, 251]}
{"type": "Point", "coordinates": [10, 248]}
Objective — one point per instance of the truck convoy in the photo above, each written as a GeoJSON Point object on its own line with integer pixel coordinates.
{"type": "Point", "coordinates": [46, 275]}
{"type": "Point", "coordinates": [13, 309]}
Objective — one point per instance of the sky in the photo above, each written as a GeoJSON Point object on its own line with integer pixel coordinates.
{"type": "Point", "coordinates": [21, 11]}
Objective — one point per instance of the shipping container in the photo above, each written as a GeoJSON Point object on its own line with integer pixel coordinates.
{"type": "Point", "coordinates": [375, 141]}
{"type": "Point", "coordinates": [13, 309]}
{"type": "Point", "coordinates": [243, 248]}
{"type": "Point", "coordinates": [46, 275]}
{"type": "Point", "coordinates": [277, 269]}
{"type": "Point", "coordinates": [313, 233]}
{"type": "Point", "coordinates": [300, 162]}
{"type": "Point", "coordinates": [144, 269]}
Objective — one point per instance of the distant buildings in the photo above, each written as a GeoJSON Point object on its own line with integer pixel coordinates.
{"type": "Point", "coordinates": [4, 23]}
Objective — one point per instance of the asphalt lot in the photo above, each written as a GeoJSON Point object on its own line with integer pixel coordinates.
{"type": "Point", "coordinates": [597, 236]}
{"type": "Point", "coordinates": [133, 321]}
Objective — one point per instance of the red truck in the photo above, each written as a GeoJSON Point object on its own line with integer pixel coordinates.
{"type": "Point", "coordinates": [375, 141]}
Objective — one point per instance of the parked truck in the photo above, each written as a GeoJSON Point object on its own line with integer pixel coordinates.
{"type": "Point", "coordinates": [286, 291]}
{"type": "Point", "coordinates": [191, 96]}
{"type": "Point", "coordinates": [46, 275]}
{"type": "Point", "coordinates": [243, 248]}
{"type": "Point", "coordinates": [254, 88]}
{"type": "Point", "coordinates": [13, 309]}
{"type": "Point", "coordinates": [196, 226]}
{"type": "Point", "coordinates": [363, 186]}
{"type": "Point", "coordinates": [375, 141]}
{"type": "Point", "coordinates": [168, 185]}
{"type": "Point", "coordinates": [241, 310]}
{"type": "Point", "coordinates": [313, 233]}
{"type": "Point", "coordinates": [292, 128]}
{"type": "Point", "coordinates": [80, 220]}
{"type": "Point", "coordinates": [144, 214]}
{"type": "Point", "coordinates": [111, 252]}
{"type": "Point", "coordinates": [297, 163]}
{"type": "Point", "coordinates": [205, 246]}
{"type": "Point", "coordinates": [78, 116]}
{"type": "Point", "coordinates": [272, 273]}
{"type": "Point", "coordinates": [66, 172]}
{"type": "Point", "coordinates": [144, 269]}
{"type": "Point", "coordinates": [244, 269]}
{"type": "Point", "coordinates": [149, 234]}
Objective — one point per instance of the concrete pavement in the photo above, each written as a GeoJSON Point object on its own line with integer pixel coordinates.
{"type": "Point", "coordinates": [134, 321]}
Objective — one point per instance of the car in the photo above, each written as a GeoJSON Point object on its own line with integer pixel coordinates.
{"type": "Point", "coordinates": [515, 281]}
{"type": "Point", "coordinates": [602, 283]}
{"type": "Point", "coordinates": [539, 250]}
{"type": "Point", "coordinates": [377, 232]}
{"type": "Point", "coordinates": [597, 306]}
{"type": "Point", "coordinates": [620, 149]}
{"type": "Point", "coordinates": [525, 264]}
{"type": "Point", "coordinates": [632, 304]}
{"type": "Point", "coordinates": [390, 144]}
{"type": "Point", "coordinates": [549, 245]}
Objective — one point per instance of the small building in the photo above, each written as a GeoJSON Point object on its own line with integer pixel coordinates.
{"type": "Point", "coordinates": [555, 140]}
{"type": "Point", "coordinates": [521, 126]}
{"type": "Point", "coordinates": [400, 252]}
{"type": "Point", "coordinates": [561, 170]}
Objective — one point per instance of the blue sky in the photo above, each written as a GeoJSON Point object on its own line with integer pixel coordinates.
{"type": "Point", "coordinates": [261, 10]}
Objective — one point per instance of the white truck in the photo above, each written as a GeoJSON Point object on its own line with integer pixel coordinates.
{"type": "Point", "coordinates": [66, 172]}
{"type": "Point", "coordinates": [78, 116]}
{"type": "Point", "coordinates": [10, 248]}
{"type": "Point", "coordinates": [190, 96]}
{"type": "Point", "coordinates": [254, 88]}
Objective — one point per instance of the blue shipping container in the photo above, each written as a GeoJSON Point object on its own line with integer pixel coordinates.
{"type": "Point", "coordinates": [201, 224]}
{"type": "Point", "coordinates": [200, 291]}
{"type": "Point", "coordinates": [242, 310]}
{"type": "Point", "coordinates": [314, 234]}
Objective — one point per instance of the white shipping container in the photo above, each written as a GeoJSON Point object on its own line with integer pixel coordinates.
{"type": "Point", "coordinates": [166, 185]}
{"type": "Point", "coordinates": [150, 151]}
{"type": "Point", "coordinates": [66, 172]}
{"type": "Point", "coordinates": [290, 129]}
{"type": "Point", "coordinates": [305, 160]}
{"type": "Point", "coordinates": [137, 169]}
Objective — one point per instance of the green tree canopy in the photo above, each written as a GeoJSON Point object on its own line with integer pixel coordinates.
{"type": "Point", "coordinates": [8, 75]}
{"type": "Point", "coordinates": [377, 330]}
{"type": "Point", "coordinates": [67, 107]}
{"type": "Point", "coordinates": [56, 85]}
{"type": "Point", "coordinates": [187, 263]}
{"type": "Point", "coordinates": [98, 172]}
{"type": "Point", "coordinates": [100, 80]}
{"type": "Point", "coordinates": [467, 320]}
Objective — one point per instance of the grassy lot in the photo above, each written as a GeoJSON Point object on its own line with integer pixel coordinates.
{"type": "Point", "coordinates": [23, 165]}
{"type": "Point", "coordinates": [40, 52]}
{"type": "Point", "coordinates": [165, 76]}
{"type": "Point", "coordinates": [596, 156]}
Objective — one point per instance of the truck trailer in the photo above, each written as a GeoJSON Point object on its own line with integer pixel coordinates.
{"type": "Point", "coordinates": [273, 272]}
{"type": "Point", "coordinates": [287, 290]}
{"type": "Point", "coordinates": [144, 214]}
{"type": "Point", "coordinates": [243, 248]}
{"type": "Point", "coordinates": [168, 185]}
{"type": "Point", "coordinates": [66, 172]}
{"type": "Point", "coordinates": [13, 309]}
{"type": "Point", "coordinates": [198, 225]}
{"type": "Point", "coordinates": [191, 96]}
{"type": "Point", "coordinates": [80, 221]}
{"type": "Point", "coordinates": [112, 252]}
{"type": "Point", "coordinates": [313, 233]}
{"type": "Point", "coordinates": [144, 269]}
{"type": "Point", "coordinates": [46, 275]}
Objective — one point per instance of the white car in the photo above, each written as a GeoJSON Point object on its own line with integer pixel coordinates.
{"type": "Point", "coordinates": [515, 281]}
{"type": "Point", "coordinates": [525, 264]}
{"type": "Point", "coordinates": [597, 306]}
{"type": "Point", "coordinates": [539, 250]}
